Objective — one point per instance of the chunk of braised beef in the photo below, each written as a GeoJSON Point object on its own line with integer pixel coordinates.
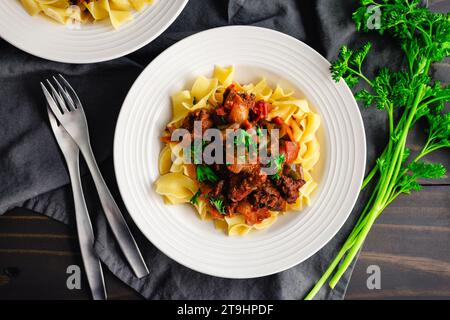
{"type": "Point", "coordinates": [217, 189]}
{"type": "Point", "coordinates": [288, 185]}
{"type": "Point", "coordinates": [237, 189]}
{"type": "Point", "coordinates": [244, 167]}
{"type": "Point", "coordinates": [248, 99]}
{"type": "Point", "coordinates": [218, 169]}
{"type": "Point", "coordinates": [230, 208]}
{"type": "Point", "coordinates": [252, 214]}
{"type": "Point", "coordinates": [230, 98]}
{"type": "Point", "coordinates": [242, 184]}
{"type": "Point", "coordinates": [219, 116]}
{"type": "Point", "coordinates": [201, 115]}
{"type": "Point", "coordinates": [227, 97]}
{"type": "Point", "coordinates": [236, 106]}
{"type": "Point", "coordinates": [267, 196]}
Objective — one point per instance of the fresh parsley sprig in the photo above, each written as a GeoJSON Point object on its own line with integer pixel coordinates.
{"type": "Point", "coordinates": [217, 204]}
{"type": "Point", "coordinates": [278, 161]}
{"type": "Point", "coordinates": [195, 197]}
{"type": "Point", "coordinates": [243, 138]}
{"type": "Point", "coordinates": [205, 173]}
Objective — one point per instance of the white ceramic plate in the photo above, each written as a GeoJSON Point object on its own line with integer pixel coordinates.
{"type": "Point", "coordinates": [44, 38]}
{"type": "Point", "coordinates": [256, 53]}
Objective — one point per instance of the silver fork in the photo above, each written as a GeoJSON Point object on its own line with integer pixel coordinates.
{"type": "Point", "coordinates": [91, 262]}
{"type": "Point", "coordinates": [71, 116]}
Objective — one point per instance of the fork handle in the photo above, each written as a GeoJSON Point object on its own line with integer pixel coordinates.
{"type": "Point", "coordinates": [115, 218]}
{"type": "Point", "coordinates": [86, 238]}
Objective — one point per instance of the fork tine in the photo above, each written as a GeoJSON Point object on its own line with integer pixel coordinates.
{"type": "Point", "coordinates": [72, 94]}
{"type": "Point", "coordinates": [63, 92]}
{"type": "Point", "coordinates": [51, 117]}
{"type": "Point", "coordinates": [54, 123]}
{"type": "Point", "coordinates": [59, 99]}
{"type": "Point", "coordinates": [50, 102]}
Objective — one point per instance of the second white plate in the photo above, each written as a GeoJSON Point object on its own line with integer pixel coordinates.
{"type": "Point", "coordinates": [47, 39]}
{"type": "Point", "coordinates": [256, 53]}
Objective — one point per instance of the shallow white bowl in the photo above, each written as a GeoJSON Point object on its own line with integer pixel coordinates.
{"type": "Point", "coordinates": [256, 53]}
{"type": "Point", "coordinates": [97, 42]}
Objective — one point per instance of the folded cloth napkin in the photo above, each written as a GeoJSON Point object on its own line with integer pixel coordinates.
{"type": "Point", "coordinates": [33, 172]}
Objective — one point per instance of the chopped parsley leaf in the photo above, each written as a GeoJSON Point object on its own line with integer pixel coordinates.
{"type": "Point", "coordinates": [206, 173]}
{"type": "Point", "coordinates": [194, 199]}
{"type": "Point", "coordinates": [218, 204]}
{"type": "Point", "coordinates": [278, 160]}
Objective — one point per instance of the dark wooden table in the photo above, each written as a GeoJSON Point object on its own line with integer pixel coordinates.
{"type": "Point", "coordinates": [410, 243]}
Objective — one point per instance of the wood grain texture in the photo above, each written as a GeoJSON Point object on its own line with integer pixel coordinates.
{"type": "Point", "coordinates": [410, 243]}
{"type": "Point", "coordinates": [35, 252]}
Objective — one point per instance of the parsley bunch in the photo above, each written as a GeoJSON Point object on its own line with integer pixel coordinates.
{"type": "Point", "coordinates": [409, 93]}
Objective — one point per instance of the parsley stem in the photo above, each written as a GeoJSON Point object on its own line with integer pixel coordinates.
{"type": "Point", "coordinates": [345, 247]}
{"type": "Point", "coordinates": [358, 227]}
{"type": "Point", "coordinates": [397, 159]}
{"type": "Point", "coordinates": [443, 98]}
{"type": "Point", "coordinates": [370, 175]}
{"type": "Point", "coordinates": [373, 213]}
{"type": "Point", "coordinates": [383, 194]}
{"type": "Point", "coordinates": [361, 75]}
{"type": "Point", "coordinates": [327, 273]}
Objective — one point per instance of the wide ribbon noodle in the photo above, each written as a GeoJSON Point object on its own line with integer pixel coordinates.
{"type": "Point", "coordinates": [65, 11]}
{"type": "Point", "coordinates": [177, 182]}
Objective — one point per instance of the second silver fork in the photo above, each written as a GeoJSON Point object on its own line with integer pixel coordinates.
{"type": "Point", "coordinates": [92, 265]}
{"type": "Point", "coordinates": [69, 112]}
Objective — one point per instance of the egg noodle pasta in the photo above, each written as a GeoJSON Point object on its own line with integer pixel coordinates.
{"type": "Point", "coordinates": [220, 102]}
{"type": "Point", "coordinates": [65, 11]}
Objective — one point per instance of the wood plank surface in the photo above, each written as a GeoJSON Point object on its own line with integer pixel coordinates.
{"type": "Point", "coordinates": [409, 242]}
{"type": "Point", "coordinates": [35, 252]}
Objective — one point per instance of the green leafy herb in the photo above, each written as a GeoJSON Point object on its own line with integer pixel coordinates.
{"type": "Point", "coordinates": [218, 204]}
{"type": "Point", "coordinates": [278, 161]}
{"type": "Point", "coordinates": [426, 170]}
{"type": "Point", "coordinates": [412, 94]}
{"type": "Point", "coordinates": [258, 131]}
{"type": "Point", "coordinates": [205, 173]}
{"type": "Point", "coordinates": [243, 138]}
{"type": "Point", "coordinates": [197, 151]}
{"type": "Point", "coordinates": [194, 199]}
